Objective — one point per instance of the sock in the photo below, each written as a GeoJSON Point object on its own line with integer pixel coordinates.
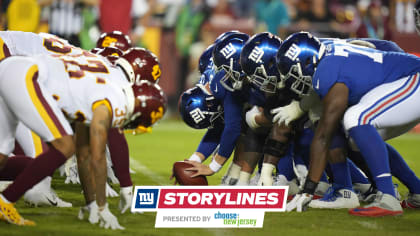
{"type": "Point", "coordinates": [357, 176]}
{"type": "Point", "coordinates": [44, 165]}
{"type": "Point", "coordinates": [267, 174]}
{"type": "Point", "coordinates": [234, 171]}
{"type": "Point", "coordinates": [375, 153]}
{"type": "Point", "coordinates": [14, 166]}
{"type": "Point", "coordinates": [341, 174]}
{"type": "Point", "coordinates": [402, 171]}
{"type": "Point", "coordinates": [243, 178]}
{"type": "Point", "coordinates": [118, 149]}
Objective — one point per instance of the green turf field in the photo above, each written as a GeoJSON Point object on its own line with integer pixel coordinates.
{"type": "Point", "coordinates": [152, 157]}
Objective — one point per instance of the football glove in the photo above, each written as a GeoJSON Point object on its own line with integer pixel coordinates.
{"type": "Point", "coordinates": [71, 171]}
{"type": "Point", "coordinates": [126, 196]}
{"type": "Point", "coordinates": [92, 210]}
{"type": "Point", "coordinates": [110, 192]}
{"type": "Point", "coordinates": [287, 113]}
{"type": "Point", "coordinates": [299, 202]}
{"type": "Point", "coordinates": [108, 220]}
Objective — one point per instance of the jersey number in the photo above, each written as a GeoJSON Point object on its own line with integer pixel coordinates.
{"type": "Point", "coordinates": [343, 50]}
{"type": "Point", "coordinates": [77, 68]}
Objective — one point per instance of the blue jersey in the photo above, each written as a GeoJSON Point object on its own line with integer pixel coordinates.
{"type": "Point", "coordinates": [360, 69]}
{"type": "Point", "coordinates": [226, 135]}
{"type": "Point", "coordinates": [383, 45]}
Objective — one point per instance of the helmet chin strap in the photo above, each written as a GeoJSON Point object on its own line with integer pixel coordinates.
{"type": "Point", "coordinates": [126, 68]}
{"type": "Point", "coordinates": [129, 95]}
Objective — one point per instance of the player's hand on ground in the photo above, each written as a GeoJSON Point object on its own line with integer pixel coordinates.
{"type": "Point", "coordinates": [92, 211]}
{"type": "Point", "coordinates": [300, 202]}
{"type": "Point", "coordinates": [110, 192]}
{"type": "Point", "coordinates": [126, 196]}
{"type": "Point", "coordinates": [107, 220]}
{"type": "Point", "coordinates": [200, 168]}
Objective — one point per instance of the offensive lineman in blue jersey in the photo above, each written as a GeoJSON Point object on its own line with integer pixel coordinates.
{"type": "Point", "coordinates": [225, 55]}
{"type": "Point", "coordinates": [374, 92]}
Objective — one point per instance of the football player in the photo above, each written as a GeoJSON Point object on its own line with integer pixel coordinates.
{"type": "Point", "coordinates": [341, 195]}
{"type": "Point", "coordinates": [87, 99]}
{"type": "Point", "coordinates": [27, 44]}
{"type": "Point", "coordinates": [367, 99]}
{"type": "Point", "coordinates": [226, 60]}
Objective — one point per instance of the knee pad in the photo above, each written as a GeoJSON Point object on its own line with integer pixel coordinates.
{"type": "Point", "coordinates": [275, 148]}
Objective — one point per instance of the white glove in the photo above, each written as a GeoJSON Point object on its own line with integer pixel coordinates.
{"type": "Point", "coordinates": [72, 173]}
{"type": "Point", "coordinates": [300, 202]}
{"type": "Point", "coordinates": [250, 117]}
{"type": "Point", "coordinates": [110, 192]}
{"type": "Point", "coordinates": [108, 220]}
{"type": "Point", "coordinates": [109, 170]}
{"type": "Point", "coordinates": [92, 210]}
{"type": "Point", "coordinates": [287, 113]}
{"type": "Point", "coordinates": [126, 196]}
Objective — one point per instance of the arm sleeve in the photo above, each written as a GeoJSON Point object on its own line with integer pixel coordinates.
{"type": "Point", "coordinates": [232, 130]}
{"type": "Point", "coordinates": [210, 141]}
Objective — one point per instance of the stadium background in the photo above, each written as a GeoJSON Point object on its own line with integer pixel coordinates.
{"type": "Point", "coordinates": [178, 31]}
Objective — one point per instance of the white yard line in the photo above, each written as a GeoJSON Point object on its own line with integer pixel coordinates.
{"type": "Point", "coordinates": [139, 167]}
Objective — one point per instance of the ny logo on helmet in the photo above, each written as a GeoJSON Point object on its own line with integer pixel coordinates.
{"type": "Point", "coordinates": [228, 50]}
{"type": "Point", "coordinates": [197, 115]}
{"type": "Point", "coordinates": [293, 52]}
{"type": "Point", "coordinates": [256, 55]}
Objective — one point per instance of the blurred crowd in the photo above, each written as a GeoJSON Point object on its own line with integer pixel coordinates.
{"type": "Point", "coordinates": [196, 23]}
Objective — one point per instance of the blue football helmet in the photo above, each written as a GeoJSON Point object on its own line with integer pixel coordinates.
{"type": "Point", "coordinates": [297, 59]}
{"type": "Point", "coordinates": [416, 12]}
{"type": "Point", "coordinates": [226, 55]}
{"type": "Point", "coordinates": [205, 59]}
{"type": "Point", "coordinates": [258, 61]}
{"type": "Point", "coordinates": [223, 35]}
{"type": "Point", "coordinates": [199, 109]}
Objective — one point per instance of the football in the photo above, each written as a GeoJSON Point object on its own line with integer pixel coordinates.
{"type": "Point", "coordinates": [183, 177]}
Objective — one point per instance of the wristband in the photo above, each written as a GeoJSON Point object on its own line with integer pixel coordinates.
{"type": "Point", "coordinates": [309, 186]}
{"type": "Point", "coordinates": [195, 157]}
{"type": "Point", "coordinates": [214, 166]}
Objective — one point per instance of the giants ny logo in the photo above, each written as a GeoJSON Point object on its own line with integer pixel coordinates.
{"type": "Point", "coordinates": [293, 52]}
{"type": "Point", "coordinates": [146, 198]}
{"type": "Point", "coordinates": [256, 55]}
{"type": "Point", "coordinates": [228, 51]}
{"type": "Point", "coordinates": [197, 115]}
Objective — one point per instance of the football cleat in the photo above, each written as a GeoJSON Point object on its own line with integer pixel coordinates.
{"type": "Point", "coordinates": [412, 201]}
{"type": "Point", "coordinates": [43, 195]}
{"type": "Point", "coordinates": [9, 214]}
{"type": "Point", "coordinates": [383, 205]}
{"type": "Point", "coordinates": [336, 199]}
